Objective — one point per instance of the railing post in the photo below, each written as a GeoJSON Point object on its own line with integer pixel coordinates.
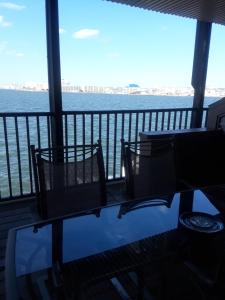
{"type": "Point", "coordinates": [199, 72]}
{"type": "Point", "coordinates": [54, 71]}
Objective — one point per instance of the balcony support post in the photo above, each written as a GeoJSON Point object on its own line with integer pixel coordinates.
{"type": "Point", "coordinates": [199, 71]}
{"type": "Point", "coordinates": [54, 71]}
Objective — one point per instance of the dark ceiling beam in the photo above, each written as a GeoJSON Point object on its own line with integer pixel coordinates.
{"type": "Point", "coordinates": [199, 71]}
{"type": "Point", "coordinates": [212, 11]}
{"type": "Point", "coordinates": [54, 71]}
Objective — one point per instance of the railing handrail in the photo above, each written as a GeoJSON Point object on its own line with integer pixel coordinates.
{"type": "Point", "coordinates": [25, 114]}
{"type": "Point", "coordinates": [119, 111]}
{"type": "Point", "coordinates": [127, 111]}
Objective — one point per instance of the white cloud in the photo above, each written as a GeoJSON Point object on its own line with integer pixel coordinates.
{"type": "Point", "coordinates": [62, 30]}
{"type": "Point", "coordinates": [6, 50]}
{"type": "Point", "coordinates": [86, 33]}
{"type": "Point", "coordinates": [4, 23]}
{"type": "Point", "coordinates": [113, 55]}
{"type": "Point", "coordinates": [12, 6]}
{"type": "Point", "coordinates": [19, 54]}
{"type": "Point", "coordinates": [13, 52]}
{"type": "Point", "coordinates": [164, 28]}
{"type": "Point", "coordinates": [3, 46]}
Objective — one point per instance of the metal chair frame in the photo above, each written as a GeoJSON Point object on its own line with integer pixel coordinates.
{"type": "Point", "coordinates": [61, 156]}
{"type": "Point", "coordinates": [142, 149]}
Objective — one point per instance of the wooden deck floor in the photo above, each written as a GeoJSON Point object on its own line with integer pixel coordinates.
{"type": "Point", "coordinates": [24, 212]}
{"type": "Point", "coordinates": [13, 215]}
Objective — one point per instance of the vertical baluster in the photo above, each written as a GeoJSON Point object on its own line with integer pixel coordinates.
{"type": "Point", "coordinates": [107, 147]}
{"type": "Point", "coordinates": [136, 137]}
{"type": "Point", "coordinates": [49, 131]}
{"type": "Point", "coordinates": [75, 130]}
{"type": "Point", "coordinates": [49, 137]}
{"type": "Point", "coordinates": [49, 148]}
{"type": "Point", "coordinates": [75, 145]}
{"type": "Point", "coordinates": [100, 126]}
{"type": "Point", "coordinates": [174, 120]}
{"type": "Point", "coordinates": [180, 120]}
{"type": "Point", "coordinates": [92, 142]}
{"type": "Point", "coordinates": [156, 120]}
{"type": "Point", "coordinates": [122, 137]}
{"type": "Point", "coordinates": [143, 122]}
{"type": "Point", "coordinates": [7, 156]}
{"type": "Point", "coordinates": [162, 121]}
{"type": "Point", "coordinates": [18, 155]}
{"type": "Point", "coordinates": [150, 121]}
{"type": "Point", "coordinates": [189, 118]}
{"type": "Point", "coordinates": [136, 127]}
{"type": "Point", "coordinates": [130, 122]}
{"type": "Point", "coordinates": [84, 140]}
{"type": "Point", "coordinates": [29, 154]}
{"type": "Point", "coordinates": [114, 150]}
{"type": "Point", "coordinates": [66, 150]}
{"type": "Point", "coordinates": [186, 119]}
{"type": "Point", "coordinates": [66, 137]}
{"type": "Point", "coordinates": [100, 132]}
{"type": "Point", "coordinates": [38, 132]}
{"type": "Point", "coordinates": [169, 118]}
{"type": "Point", "coordinates": [92, 129]}
{"type": "Point", "coordinates": [83, 129]}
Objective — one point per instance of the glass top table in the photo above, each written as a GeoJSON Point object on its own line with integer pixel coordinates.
{"type": "Point", "coordinates": [97, 245]}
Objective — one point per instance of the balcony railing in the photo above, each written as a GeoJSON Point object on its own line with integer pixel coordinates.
{"type": "Point", "coordinates": [20, 130]}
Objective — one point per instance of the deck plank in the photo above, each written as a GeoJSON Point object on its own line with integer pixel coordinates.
{"type": "Point", "coordinates": [8, 213]}
{"type": "Point", "coordinates": [11, 216]}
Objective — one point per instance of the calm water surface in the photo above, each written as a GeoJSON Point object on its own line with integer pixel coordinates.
{"type": "Point", "coordinates": [18, 101]}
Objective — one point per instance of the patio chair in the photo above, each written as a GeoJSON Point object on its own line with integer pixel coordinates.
{"type": "Point", "coordinates": [149, 167]}
{"type": "Point", "coordinates": [75, 183]}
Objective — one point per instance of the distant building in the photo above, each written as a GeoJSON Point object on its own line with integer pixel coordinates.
{"type": "Point", "coordinates": [133, 85]}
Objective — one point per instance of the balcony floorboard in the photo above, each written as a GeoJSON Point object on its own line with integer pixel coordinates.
{"type": "Point", "coordinates": [13, 215]}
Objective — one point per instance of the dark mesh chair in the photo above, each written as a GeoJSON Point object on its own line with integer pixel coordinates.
{"type": "Point", "coordinates": [149, 167]}
{"type": "Point", "coordinates": [76, 182]}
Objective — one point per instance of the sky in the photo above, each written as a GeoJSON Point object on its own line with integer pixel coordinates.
{"type": "Point", "coordinates": [104, 44]}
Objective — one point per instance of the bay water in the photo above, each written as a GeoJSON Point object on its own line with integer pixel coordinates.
{"type": "Point", "coordinates": [27, 101]}
{"type": "Point", "coordinates": [24, 101]}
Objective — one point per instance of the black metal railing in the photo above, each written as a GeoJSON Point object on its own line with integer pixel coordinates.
{"type": "Point", "coordinates": [20, 130]}
{"type": "Point", "coordinates": [17, 132]}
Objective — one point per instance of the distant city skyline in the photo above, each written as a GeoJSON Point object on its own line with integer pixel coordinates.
{"type": "Point", "coordinates": [69, 83]}
{"type": "Point", "coordinates": [104, 44]}
{"type": "Point", "coordinates": [131, 89]}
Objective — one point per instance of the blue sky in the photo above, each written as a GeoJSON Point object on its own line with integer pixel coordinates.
{"type": "Point", "coordinates": [104, 44]}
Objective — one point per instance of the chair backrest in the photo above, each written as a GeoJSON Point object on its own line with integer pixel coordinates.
{"type": "Point", "coordinates": [149, 167]}
{"type": "Point", "coordinates": [72, 183]}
